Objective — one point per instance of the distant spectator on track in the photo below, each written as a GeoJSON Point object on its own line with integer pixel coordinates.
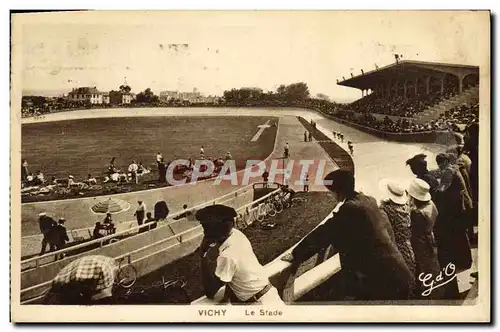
{"type": "Point", "coordinates": [306, 182]}
{"type": "Point", "coordinates": [305, 136]}
{"type": "Point", "coordinates": [229, 156]}
{"type": "Point", "coordinates": [265, 177]}
{"type": "Point", "coordinates": [202, 151]}
{"type": "Point", "coordinates": [310, 138]}
{"type": "Point", "coordinates": [159, 158]}
{"type": "Point", "coordinates": [287, 150]}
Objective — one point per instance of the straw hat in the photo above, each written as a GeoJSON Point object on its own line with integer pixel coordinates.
{"type": "Point", "coordinates": [393, 191]}
{"type": "Point", "coordinates": [419, 189]}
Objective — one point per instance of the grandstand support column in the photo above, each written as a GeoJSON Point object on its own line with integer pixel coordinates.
{"type": "Point", "coordinates": [397, 88]}
{"type": "Point", "coordinates": [442, 84]}
{"type": "Point", "coordinates": [416, 86]}
{"type": "Point", "coordinates": [427, 84]}
{"type": "Point", "coordinates": [460, 83]}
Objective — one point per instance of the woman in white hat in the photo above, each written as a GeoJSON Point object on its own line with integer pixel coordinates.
{"type": "Point", "coordinates": [395, 205]}
{"type": "Point", "coordinates": [423, 217]}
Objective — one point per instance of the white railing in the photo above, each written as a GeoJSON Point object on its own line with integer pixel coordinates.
{"type": "Point", "coordinates": [179, 236]}
{"type": "Point", "coordinates": [128, 231]}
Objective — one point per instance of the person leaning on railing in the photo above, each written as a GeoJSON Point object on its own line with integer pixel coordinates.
{"type": "Point", "coordinates": [227, 258]}
{"type": "Point", "coordinates": [372, 267]}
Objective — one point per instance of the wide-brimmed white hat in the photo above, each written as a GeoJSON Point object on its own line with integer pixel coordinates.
{"type": "Point", "coordinates": [393, 191]}
{"type": "Point", "coordinates": [419, 189]}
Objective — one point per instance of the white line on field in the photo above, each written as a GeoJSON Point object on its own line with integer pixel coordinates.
{"type": "Point", "coordinates": [260, 131]}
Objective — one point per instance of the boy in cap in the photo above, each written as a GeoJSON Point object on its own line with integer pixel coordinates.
{"type": "Point", "coordinates": [227, 258]}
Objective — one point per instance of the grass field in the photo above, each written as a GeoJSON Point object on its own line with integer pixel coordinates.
{"type": "Point", "coordinates": [80, 147]}
{"type": "Point", "coordinates": [292, 225]}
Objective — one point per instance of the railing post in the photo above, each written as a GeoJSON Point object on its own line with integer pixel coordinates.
{"type": "Point", "coordinates": [289, 287]}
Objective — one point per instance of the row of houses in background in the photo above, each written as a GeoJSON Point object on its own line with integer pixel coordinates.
{"type": "Point", "coordinates": [97, 97]}
{"type": "Point", "coordinates": [121, 97]}
{"type": "Point", "coordinates": [193, 97]}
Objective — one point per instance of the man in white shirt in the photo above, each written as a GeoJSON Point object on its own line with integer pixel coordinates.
{"type": "Point", "coordinates": [133, 171]}
{"type": "Point", "coordinates": [227, 258]}
{"type": "Point", "coordinates": [159, 157]}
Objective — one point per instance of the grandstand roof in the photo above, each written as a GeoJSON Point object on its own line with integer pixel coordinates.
{"type": "Point", "coordinates": [406, 69]}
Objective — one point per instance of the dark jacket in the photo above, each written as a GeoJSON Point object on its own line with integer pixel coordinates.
{"type": "Point", "coordinates": [370, 259]}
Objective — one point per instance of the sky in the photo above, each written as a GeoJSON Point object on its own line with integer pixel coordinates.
{"type": "Point", "coordinates": [217, 51]}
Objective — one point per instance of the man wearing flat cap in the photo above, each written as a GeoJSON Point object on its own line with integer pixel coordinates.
{"type": "Point", "coordinates": [227, 258]}
{"type": "Point", "coordinates": [372, 266]}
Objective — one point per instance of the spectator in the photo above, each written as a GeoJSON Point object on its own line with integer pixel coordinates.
{"type": "Point", "coordinates": [227, 258]}
{"type": "Point", "coordinates": [450, 229]}
{"type": "Point", "coordinates": [395, 205]}
{"type": "Point", "coordinates": [88, 280]}
{"type": "Point", "coordinates": [46, 224]}
{"type": "Point", "coordinates": [306, 183]}
{"type": "Point", "coordinates": [97, 231]}
{"type": "Point", "coordinates": [162, 172]}
{"type": "Point", "coordinates": [418, 166]}
{"type": "Point", "coordinates": [71, 181]}
{"type": "Point", "coordinates": [60, 237]}
{"type": "Point", "coordinates": [202, 151]}
{"type": "Point", "coordinates": [150, 221]}
{"type": "Point", "coordinates": [39, 179]}
{"type": "Point", "coordinates": [265, 177]}
{"type": "Point", "coordinates": [140, 212]}
{"type": "Point", "coordinates": [229, 156]}
{"type": "Point", "coordinates": [161, 210]}
{"type": "Point", "coordinates": [372, 266]}
{"type": "Point", "coordinates": [132, 169]}
{"type": "Point", "coordinates": [423, 218]}
{"type": "Point", "coordinates": [91, 180]}
{"type": "Point", "coordinates": [287, 150]}
{"type": "Point", "coordinates": [305, 136]}
{"type": "Point", "coordinates": [108, 225]}
{"type": "Point", "coordinates": [24, 170]}
{"type": "Point", "coordinates": [159, 157]}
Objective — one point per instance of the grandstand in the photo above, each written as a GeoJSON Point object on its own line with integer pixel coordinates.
{"type": "Point", "coordinates": [415, 90]}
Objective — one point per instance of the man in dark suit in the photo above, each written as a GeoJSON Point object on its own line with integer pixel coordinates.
{"type": "Point", "coordinates": [372, 266]}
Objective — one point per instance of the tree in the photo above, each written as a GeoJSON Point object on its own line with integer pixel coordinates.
{"type": "Point", "coordinates": [297, 91]}
{"type": "Point", "coordinates": [125, 89]}
{"type": "Point", "coordinates": [147, 97]}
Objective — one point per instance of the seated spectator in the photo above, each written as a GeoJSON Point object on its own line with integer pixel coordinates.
{"type": "Point", "coordinates": [97, 233]}
{"type": "Point", "coordinates": [71, 181]}
{"type": "Point", "coordinates": [108, 225]}
{"type": "Point", "coordinates": [30, 178]}
{"type": "Point", "coordinates": [90, 180]}
{"type": "Point", "coordinates": [39, 179]}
